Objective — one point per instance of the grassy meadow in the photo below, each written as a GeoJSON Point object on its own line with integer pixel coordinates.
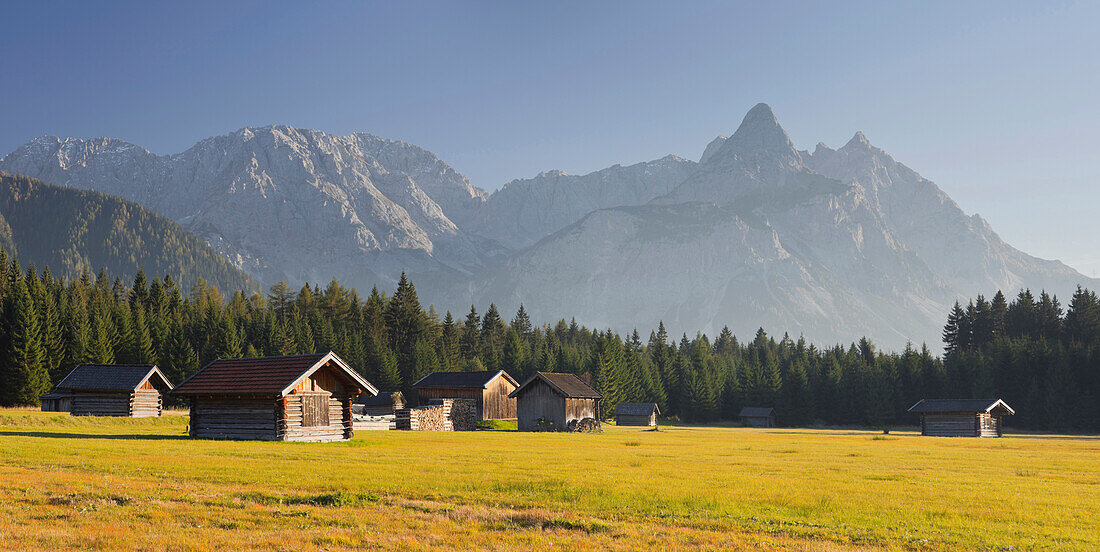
{"type": "Point", "coordinates": [112, 484]}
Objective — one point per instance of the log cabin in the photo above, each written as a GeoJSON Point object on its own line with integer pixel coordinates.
{"type": "Point", "coordinates": [549, 400]}
{"type": "Point", "coordinates": [132, 391]}
{"type": "Point", "coordinates": [961, 417]}
{"type": "Point", "coordinates": [636, 414]}
{"type": "Point", "coordinates": [756, 416]}
{"type": "Point", "coordinates": [282, 398]}
{"type": "Point", "coordinates": [490, 391]}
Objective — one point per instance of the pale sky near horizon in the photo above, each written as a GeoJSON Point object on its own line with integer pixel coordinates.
{"type": "Point", "coordinates": [997, 103]}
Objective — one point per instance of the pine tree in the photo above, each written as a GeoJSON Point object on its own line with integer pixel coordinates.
{"type": "Point", "coordinates": [471, 330]}
{"type": "Point", "coordinates": [25, 375]}
{"type": "Point", "coordinates": [52, 338]}
{"type": "Point", "coordinates": [450, 354]}
{"type": "Point", "coordinates": [522, 323]}
{"type": "Point", "coordinates": [141, 343]}
{"type": "Point", "coordinates": [389, 378]}
{"type": "Point", "coordinates": [182, 360]}
{"type": "Point", "coordinates": [492, 338]}
{"type": "Point", "coordinates": [515, 353]}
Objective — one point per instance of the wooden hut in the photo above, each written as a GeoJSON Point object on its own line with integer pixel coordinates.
{"type": "Point", "coordinates": [490, 391]}
{"type": "Point", "coordinates": [961, 417]}
{"type": "Point", "coordinates": [636, 414]}
{"type": "Point", "coordinates": [58, 401]}
{"type": "Point", "coordinates": [286, 398]}
{"type": "Point", "coordinates": [755, 416]}
{"type": "Point", "coordinates": [555, 398]}
{"type": "Point", "coordinates": [133, 391]}
{"type": "Point", "coordinates": [382, 404]}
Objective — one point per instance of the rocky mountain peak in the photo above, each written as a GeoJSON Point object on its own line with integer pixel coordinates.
{"type": "Point", "coordinates": [759, 132]}
{"type": "Point", "coordinates": [858, 142]}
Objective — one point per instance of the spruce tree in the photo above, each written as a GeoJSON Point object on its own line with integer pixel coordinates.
{"type": "Point", "coordinates": [25, 375]}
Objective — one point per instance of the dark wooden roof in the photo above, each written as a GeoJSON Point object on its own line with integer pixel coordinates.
{"type": "Point", "coordinates": [926, 406]}
{"type": "Point", "coordinates": [276, 375]}
{"type": "Point", "coordinates": [113, 377]}
{"type": "Point", "coordinates": [756, 412]}
{"type": "Point", "coordinates": [566, 385]}
{"type": "Point", "coordinates": [461, 380]}
{"type": "Point", "coordinates": [637, 409]}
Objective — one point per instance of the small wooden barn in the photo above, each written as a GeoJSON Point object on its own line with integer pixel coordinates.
{"type": "Point", "coordinates": [636, 414]}
{"type": "Point", "coordinates": [756, 416]}
{"type": "Point", "coordinates": [490, 391]}
{"type": "Point", "coordinates": [57, 401]}
{"type": "Point", "coordinates": [382, 404]}
{"type": "Point", "coordinates": [133, 391]}
{"type": "Point", "coordinates": [555, 398]}
{"type": "Point", "coordinates": [961, 417]}
{"type": "Point", "coordinates": [283, 398]}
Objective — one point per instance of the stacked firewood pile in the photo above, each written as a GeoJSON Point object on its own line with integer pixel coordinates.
{"type": "Point", "coordinates": [463, 414]}
{"type": "Point", "coordinates": [441, 415]}
{"type": "Point", "coordinates": [584, 425]}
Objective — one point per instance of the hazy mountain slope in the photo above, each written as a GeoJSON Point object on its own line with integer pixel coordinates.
{"type": "Point", "coordinates": [71, 231]}
{"type": "Point", "coordinates": [963, 250]}
{"type": "Point", "coordinates": [524, 211]}
{"type": "Point", "coordinates": [285, 202]}
{"type": "Point", "coordinates": [760, 234]}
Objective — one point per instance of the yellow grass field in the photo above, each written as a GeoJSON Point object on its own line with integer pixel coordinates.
{"type": "Point", "coordinates": [110, 484]}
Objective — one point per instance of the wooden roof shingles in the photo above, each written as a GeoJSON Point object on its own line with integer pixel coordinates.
{"type": "Point", "coordinates": [461, 380]}
{"type": "Point", "coordinates": [636, 409]}
{"type": "Point", "coordinates": [756, 412]}
{"type": "Point", "coordinates": [275, 375]}
{"type": "Point", "coordinates": [566, 385]}
{"type": "Point", "coordinates": [927, 406]}
{"type": "Point", "coordinates": [112, 377]}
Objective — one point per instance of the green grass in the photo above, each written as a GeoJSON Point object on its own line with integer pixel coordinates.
{"type": "Point", "coordinates": [109, 484]}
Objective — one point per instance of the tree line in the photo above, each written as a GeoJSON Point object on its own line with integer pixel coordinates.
{"type": "Point", "coordinates": [1042, 359]}
{"type": "Point", "coordinates": [50, 324]}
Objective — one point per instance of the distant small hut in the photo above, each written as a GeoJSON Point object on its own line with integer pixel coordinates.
{"type": "Point", "coordinates": [636, 414]}
{"type": "Point", "coordinates": [282, 398]}
{"type": "Point", "coordinates": [489, 390]}
{"type": "Point", "coordinates": [133, 391]}
{"type": "Point", "coordinates": [57, 401]}
{"type": "Point", "coordinates": [556, 399]}
{"type": "Point", "coordinates": [382, 404]}
{"type": "Point", "coordinates": [756, 416]}
{"type": "Point", "coordinates": [961, 417]}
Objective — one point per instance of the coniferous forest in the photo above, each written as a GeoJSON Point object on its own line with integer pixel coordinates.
{"type": "Point", "coordinates": [1044, 362]}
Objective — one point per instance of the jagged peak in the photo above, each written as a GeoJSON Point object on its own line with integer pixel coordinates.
{"type": "Point", "coordinates": [759, 131]}
{"type": "Point", "coordinates": [822, 148]}
{"type": "Point", "coordinates": [858, 141]}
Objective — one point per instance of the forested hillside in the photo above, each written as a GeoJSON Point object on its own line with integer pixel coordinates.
{"type": "Point", "coordinates": [1043, 362]}
{"type": "Point", "coordinates": [73, 231]}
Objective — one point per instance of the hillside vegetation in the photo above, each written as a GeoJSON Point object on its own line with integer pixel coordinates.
{"type": "Point", "coordinates": [96, 484]}
{"type": "Point", "coordinates": [74, 231]}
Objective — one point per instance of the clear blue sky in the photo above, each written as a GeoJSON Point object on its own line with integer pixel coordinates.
{"type": "Point", "coordinates": [998, 103]}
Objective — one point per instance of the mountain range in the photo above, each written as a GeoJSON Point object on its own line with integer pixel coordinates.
{"type": "Point", "coordinates": [830, 244]}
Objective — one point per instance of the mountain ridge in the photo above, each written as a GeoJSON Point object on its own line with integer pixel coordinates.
{"type": "Point", "coordinates": [831, 243]}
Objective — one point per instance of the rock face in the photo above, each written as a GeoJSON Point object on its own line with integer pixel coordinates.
{"type": "Point", "coordinates": [525, 211]}
{"type": "Point", "coordinates": [287, 203]}
{"type": "Point", "coordinates": [834, 244]}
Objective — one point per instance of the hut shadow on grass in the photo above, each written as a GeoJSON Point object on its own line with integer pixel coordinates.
{"type": "Point", "coordinates": [63, 435]}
